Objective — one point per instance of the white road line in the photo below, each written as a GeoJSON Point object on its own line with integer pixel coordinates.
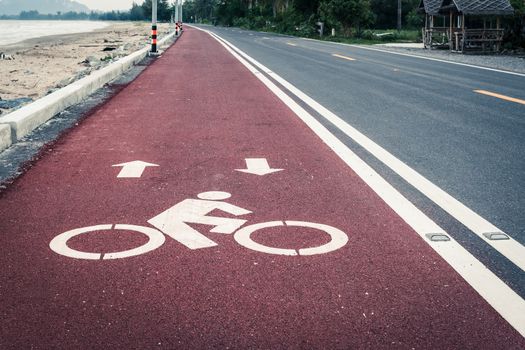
{"type": "Point", "coordinates": [500, 296]}
{"type": "Point", "coordinates": [489, 233]}
{"type": "Point", "coordinates": [418, 56]}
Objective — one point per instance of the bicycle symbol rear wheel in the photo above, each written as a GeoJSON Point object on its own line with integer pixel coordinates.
{"type": "Point", "coordinates": [59, 243]}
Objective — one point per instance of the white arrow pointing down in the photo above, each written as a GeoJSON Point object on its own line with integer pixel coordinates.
{"type": "Point", "coordinates": [258, 166]}
{"type": "Point", "coordinates": [133, 169]}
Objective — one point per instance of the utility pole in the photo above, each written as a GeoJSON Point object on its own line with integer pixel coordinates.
{"type": "Point", "coordinates": [180, 12]}
{"type": "Point", "coordinates": [176, 5]}
{"type": "Point", "coordinates": [398, 15]}
{"type": "Point", "coordinates": [154, 27]}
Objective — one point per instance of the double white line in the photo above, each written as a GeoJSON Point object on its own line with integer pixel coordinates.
{"type": "Point", "coordinates": [500, 296]}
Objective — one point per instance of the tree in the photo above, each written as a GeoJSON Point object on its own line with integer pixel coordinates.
{"type": "Point", "coordinates": [204, 8]}
{"type": "Point", "coordinates": [146, 7]}
{"type": "Point", "coordinates": [189, 11]}
{"type": "Point", "coordinates": [227, 11]}
{"type": "Point", "coordinates": [136, 13]}
{"type": "Point", "coordinates": [349, 13]}
{"type": "Point", "coordinates": [308, 7]}
{"type": "Point", "coordinates": [29, 15]}
{"type": "Point", "coordinates": [515, 35]}
{"type": "Point", "coordinates": [163, 10]}
{"type": "Point", "coordinates": [385, 12]}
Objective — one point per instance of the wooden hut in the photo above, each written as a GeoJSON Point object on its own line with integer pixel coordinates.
{"type": "Point", "coordinates": [435, 31]}
{"type": "Point", "coordinates": [475, 25]}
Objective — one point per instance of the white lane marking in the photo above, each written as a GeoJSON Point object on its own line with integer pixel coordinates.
{"type": "Point", "coordinates": [500, 296]}
{"type": "Point", "coordinates": [418, 56]}
{"type": "Point", "coordinates": [258, 166]}
{"type": "Point", "coordinates": [132, 169]}
{"type": "Point", "coordinates": [510, 248]}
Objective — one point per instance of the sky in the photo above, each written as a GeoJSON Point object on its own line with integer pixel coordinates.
{"type": "Point", "coordinates": [106, 5]}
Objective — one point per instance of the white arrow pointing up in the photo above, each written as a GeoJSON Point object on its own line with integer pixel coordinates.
{"type": "Point", "coordinates": [258, 166]}
{"type": "Point", "coordinates": [133, 169]}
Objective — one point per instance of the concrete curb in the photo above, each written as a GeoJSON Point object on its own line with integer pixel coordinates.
{"type": "Point", "coordinates": [24, 120]}
{"type": "Point", "coordinates": [5, 136]}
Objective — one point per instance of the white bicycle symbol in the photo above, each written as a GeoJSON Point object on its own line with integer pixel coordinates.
{"type": "Point", "coordinates": [174, 223]}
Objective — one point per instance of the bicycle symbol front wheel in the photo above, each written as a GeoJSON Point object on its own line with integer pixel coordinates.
{"type": "Point", "coordinates": [338, 238]}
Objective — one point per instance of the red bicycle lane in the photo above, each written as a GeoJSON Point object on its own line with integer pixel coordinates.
{"type": "Point", "coordinates": [198, 114]}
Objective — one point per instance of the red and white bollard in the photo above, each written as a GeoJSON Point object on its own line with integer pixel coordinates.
{"type": "Point", "coordinates": [154, 28]}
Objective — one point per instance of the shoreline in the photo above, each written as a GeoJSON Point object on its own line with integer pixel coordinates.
{"type": "Point", "coordinates": [43, 65]}
{"type": "Point", "coordinates": [22, 30]}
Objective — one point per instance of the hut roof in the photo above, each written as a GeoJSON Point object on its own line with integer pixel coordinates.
{"type": "Point", "coordinates": [477, 7]}
{"type": "Point", "coordinates": [430, 7]}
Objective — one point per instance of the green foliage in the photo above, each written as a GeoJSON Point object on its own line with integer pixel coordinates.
{"type": "Point", "coordinates": [242, 22]}
{"type": "Point", "coordinates": [294, 17]}
{"type": "Point", "coordinates": [349, 13]}
{"type": "Point", "coordinates": [515, 34]}
{"type": "Point", "coordinates": [164, 10]}
{"type": "Point", "coordinates": [306, 6]}
{"type": "Point", "coordinates": [70, 15]}
{"type": "Point", "coordinates": [228, 10]}
{"type": "Point", "coordinates": [414, 19]}
{"type": "Point", "coordinates": [257, 22]}
{"type": "Point", "coordinates": [368, 34]}
{"type": "Point", "coordinates": [290, 22]}
{"type": "Point", "coordinates": [188, 15]}
{"type": "Point", "coordinates": [385, 12]}
{"type": "Point", "coordinates": [29, 15]}
{"type": "Point", "coordinates": [204, 9]}
{"type": "Point", "coordinates": [136, 13]}
{"type": "Point", "coordinates": [519, 7]}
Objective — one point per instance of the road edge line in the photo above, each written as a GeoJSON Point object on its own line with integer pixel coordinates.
{"type": "Point", "coordinates": [505, 301]}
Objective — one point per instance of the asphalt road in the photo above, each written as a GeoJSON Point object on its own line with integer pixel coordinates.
{"type": "Point", "coordinates": [426, 114]}
{"type": "Point", "coordinates": [246, 225]}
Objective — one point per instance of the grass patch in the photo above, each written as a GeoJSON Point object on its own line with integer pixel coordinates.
{"type": "Point", "coordinates": [370, 37]}
{"type": "Point", "coordinates": [366, 37]}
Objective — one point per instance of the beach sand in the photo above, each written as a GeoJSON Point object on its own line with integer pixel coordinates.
{"type": "Point", "coordinates": [42, 65]}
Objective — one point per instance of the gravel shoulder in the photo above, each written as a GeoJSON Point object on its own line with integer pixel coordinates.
{"type": "Point", "coordinates": [512, 63]}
